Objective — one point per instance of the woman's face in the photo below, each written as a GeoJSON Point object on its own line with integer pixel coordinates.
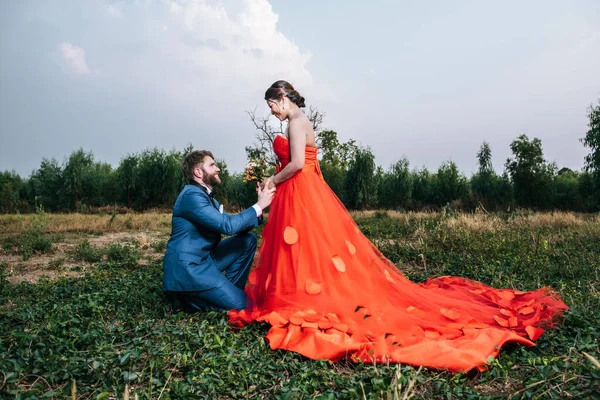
{"type": "Point", "coordinates": [278, 109]}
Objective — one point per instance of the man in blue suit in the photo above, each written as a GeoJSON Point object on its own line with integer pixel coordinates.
{"type": "Point", "coordinates": [201, 270]}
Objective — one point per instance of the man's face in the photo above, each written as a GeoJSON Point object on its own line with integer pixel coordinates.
{"type": "Point", "coordinates": [210, 172]}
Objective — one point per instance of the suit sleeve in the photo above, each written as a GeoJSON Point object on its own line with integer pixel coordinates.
{"type": "Point", "coordinates": [196, 207]}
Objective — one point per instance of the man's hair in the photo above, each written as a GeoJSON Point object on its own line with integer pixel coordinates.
{"type": "Point", "coordinates": [192, 160]}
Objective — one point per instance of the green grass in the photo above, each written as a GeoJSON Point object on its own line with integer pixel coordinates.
{"type": "Point", "coordinates": [111, 328]}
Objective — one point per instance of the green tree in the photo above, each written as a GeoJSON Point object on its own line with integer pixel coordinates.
{"type": "Point", "coordinates": [360, 186]}
{"type": "Point", "coordinates": [592, 160]}
{"type": "Point", "coordinates": [150, 179]}
{"type": "Point", "coordinates": [86, 182]}
{"type": "Point", "coordinates": [237, 194]}
{"type": "Point", "coordinates": [11, 190]}
{"type": "Point", "coordinates": [586, 191]}
{"type": "Point", "coordinates": [484, 158]}
{"type": "Point", "coordinates": [107, 190]}
{"type": "Point", "coordinates": [336, 153]}
{"type": "Point", "coordinates": [222, 190]}
{"type": "Point", "coordinates": [489, 189]}
{"type": "Point", "coordinates": [531, 175]}
{"type": "Point", "coordinates": [77, 179]}
{"type": "Point", "coordinates": [158, 179]}
{"type": "Point", "coordinates": [565, 191]}
{"type": "Point", "coordinates": [127, 179]}
{"type": "Point", "coordinates": [46, 186]}
{"type": "Point", "coordinates": [329, 145]}
{"type": "Point", "coordinates": [423, 188]}
{"type": "Point", "coordinates": [334, 176]}
{"type": "Point", "coordinates": [395, 186]}
{"type": "Point", "coordinates": [335, 159]}
{"type": "Point", "coordinates": [450, 184]}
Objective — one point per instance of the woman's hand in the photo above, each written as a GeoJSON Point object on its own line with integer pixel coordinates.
{"type": "Point", "coordinates": [267, 183]}
{"type": "Point", "coordinates": [270, 183]}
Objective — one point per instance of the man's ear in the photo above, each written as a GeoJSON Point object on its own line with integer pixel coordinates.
{"type": "Point", "coordinates": [198, 173]}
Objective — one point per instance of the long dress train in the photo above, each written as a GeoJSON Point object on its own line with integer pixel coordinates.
{"type": "Point", "coordinates": [328, 292]}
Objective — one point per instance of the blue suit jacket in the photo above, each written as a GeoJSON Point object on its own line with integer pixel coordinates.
{"type": "Point", "coordinates": [196, 230]}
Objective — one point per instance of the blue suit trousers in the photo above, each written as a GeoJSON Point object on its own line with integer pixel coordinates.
{"type": "Point", "coordinates": [233, 256]}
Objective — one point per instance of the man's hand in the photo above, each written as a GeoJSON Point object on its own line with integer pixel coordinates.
{"type": "Point", "coordinates": [265, 195]}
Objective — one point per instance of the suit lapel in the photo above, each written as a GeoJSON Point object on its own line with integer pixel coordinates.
{"type": "Point", "coordinates": [212, 201]}
{"type": "Point", "coordinates": [210, 198]}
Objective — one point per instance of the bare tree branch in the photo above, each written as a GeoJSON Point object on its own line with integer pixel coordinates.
{"type": "Point", "coordinates": [266, 132]}
{"type": "Point", "coordinates": [316, 117]}
{"type": "Point", "coordinates": [264, 137]}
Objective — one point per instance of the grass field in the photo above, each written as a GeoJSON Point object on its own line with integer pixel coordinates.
{"type": "Point", "coordinates": [82, 314]}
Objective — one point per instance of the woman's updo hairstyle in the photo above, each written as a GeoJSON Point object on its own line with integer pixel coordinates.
{"type": "Point", "coordinates": [283, 88]}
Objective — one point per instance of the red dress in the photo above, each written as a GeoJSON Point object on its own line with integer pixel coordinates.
{"type": "Point", "coordinates": [328, 293]}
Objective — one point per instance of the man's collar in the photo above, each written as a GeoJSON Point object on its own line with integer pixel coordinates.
{"type": "Point", "coordinates": [203, 187]}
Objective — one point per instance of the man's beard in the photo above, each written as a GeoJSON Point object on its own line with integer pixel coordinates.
{"type": "Point", "coordinates": [211, 180]}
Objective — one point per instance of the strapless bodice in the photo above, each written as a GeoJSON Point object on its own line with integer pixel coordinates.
{"type": "Point", "coordinates": [281, 146]}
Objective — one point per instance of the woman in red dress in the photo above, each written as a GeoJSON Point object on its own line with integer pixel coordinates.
{"type": "Point", "coordinates": [328, 293]}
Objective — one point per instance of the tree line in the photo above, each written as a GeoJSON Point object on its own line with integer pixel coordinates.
{"type": "Point", "coordinates": [152, 179]}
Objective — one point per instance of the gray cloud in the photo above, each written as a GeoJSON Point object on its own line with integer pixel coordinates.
{"type": "Point", "coordinates": [121, 79]}
{"type": "Point", "coordinates": [429, 81]}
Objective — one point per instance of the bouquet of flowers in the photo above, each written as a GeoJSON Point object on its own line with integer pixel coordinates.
{"type": "Point", "coordinates": [256, 170]}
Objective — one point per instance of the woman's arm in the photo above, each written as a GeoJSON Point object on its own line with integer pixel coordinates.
{"type": "Point", "coordinates": [297, 139]}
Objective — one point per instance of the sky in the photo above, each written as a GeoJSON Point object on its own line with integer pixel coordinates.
{"type": "Point", "coordinates": [428, 80]}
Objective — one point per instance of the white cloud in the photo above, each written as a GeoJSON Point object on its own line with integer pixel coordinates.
{"type": "Point", "coordinates": [113, 10]}
{"type": "Point", "coordinates": [175, 8]}
{"type": "Point", "coordinates": [239, 49]}
{"type": "Point", "coordinates": [195, 65]}
{"type": "Point", "coordinates": [75, 57]}
{"type": "Point", "coordinates": [190, 53]}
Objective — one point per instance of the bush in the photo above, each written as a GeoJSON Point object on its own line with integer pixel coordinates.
{"type": "Point", "coordinates": [159, 246]}
{"type": "Point", "coordinates": [10, 242]}
{"type": "Point", "coordinates": [33, 241]}
{"type": "Point", "coordinates": [3, 281]}
{"type": "Point", "coordinates": [56, 263]}
{"type": "Point", "coordinates": [87, 252]}
{"type": "Point", "coordinates": [122, 255]}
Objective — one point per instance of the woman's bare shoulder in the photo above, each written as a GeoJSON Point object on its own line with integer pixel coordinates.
{"type": "Point", "coordinates": [302, 123]}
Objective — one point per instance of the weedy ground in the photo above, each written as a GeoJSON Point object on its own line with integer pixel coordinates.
{"type": "Point", "coordinates": [82, 314]}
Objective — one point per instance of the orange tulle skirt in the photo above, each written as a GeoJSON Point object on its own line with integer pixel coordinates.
{"type": "Point", "coordinates": [328, 293]}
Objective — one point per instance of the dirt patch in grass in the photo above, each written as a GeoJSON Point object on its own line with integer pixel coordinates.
{"type": "Point", "coordinates": [59, 262]}
{"type": "Point", "coordinates": [51, 266]}
{"type": "Point", "coordinates": [86, 223]}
